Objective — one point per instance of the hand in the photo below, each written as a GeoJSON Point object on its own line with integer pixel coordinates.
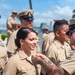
{"type": "Point", "coordinates": [38, 58]}
{"type": "Point", "coordinates": [43, 57]}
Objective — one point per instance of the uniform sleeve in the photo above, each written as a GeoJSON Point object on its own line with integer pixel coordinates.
{"type": "Point", "coordinates": [9, 21]}
{"type": "Point", "coordinates": [47, 41]}
{"type": "Point", "coordinates": [45, 45]}
{"type": "Point", "coordinates": [10, 68]}
{"type": "Point", "coordinates": [11, 43]}
{"type": "Point", "coordinates": [52, 55]}
{"type": "Point", "coordinates": [69, 64]}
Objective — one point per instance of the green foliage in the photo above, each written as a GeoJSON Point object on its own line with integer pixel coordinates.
{"type": "Point", "coordinates": [3, 36]}
{"type": "Point", "coordinates": [73, 11]}
{"type": "Point", "coordinates": [73, 16]}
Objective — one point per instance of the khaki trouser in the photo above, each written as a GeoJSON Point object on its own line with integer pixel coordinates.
{"type": "Point", "coordinates": [9, 32]}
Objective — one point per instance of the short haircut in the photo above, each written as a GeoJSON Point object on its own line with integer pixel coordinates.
{"type": "Point", "coordinates": [22, 34]}
{"type": "Point", "coordinates": [58, 24]}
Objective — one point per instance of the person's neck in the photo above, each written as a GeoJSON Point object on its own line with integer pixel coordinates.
{"type": "Point", "coordinates": [28, 52]}
{"type": "Point", "coordinates": [12, 16]}
{"type": "Point", "coordinates": [61, 41]}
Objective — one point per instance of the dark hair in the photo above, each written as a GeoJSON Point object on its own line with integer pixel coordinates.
{"type": "Point", "coordinates": [22, 34]}
{"type": "Point", "coordinates": [58, 24]}
{"type": "Point", "coordinates": [71, 29]}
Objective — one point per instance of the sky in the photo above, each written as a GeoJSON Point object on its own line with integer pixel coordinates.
{"type": "Point", "coordinates": [44, 10]}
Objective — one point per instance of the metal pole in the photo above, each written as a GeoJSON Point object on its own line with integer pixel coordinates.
{"type": "Point", "coordinates": [30, 3]}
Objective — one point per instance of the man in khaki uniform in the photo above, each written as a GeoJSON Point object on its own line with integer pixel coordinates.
{"type": "Point", "coordinates": [26, 18]}
{"type": "Point", "coordinates": [66, 67]}
{"type": "Point", "coordinates": [11, 23]}
{"type": "Point", "coordinates": [46, 31]}
{"type": "Point", "coordinates": [3, 56]}
{"type": "Point", "coordinates": [49, 38]}
{"type": "Point", "coordinates": [59, 50]}
{"type": "Point", "coordinates": [69, 64]}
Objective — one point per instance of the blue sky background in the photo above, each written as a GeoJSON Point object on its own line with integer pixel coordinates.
{"type": "Point", "coordinates": [44, 10]}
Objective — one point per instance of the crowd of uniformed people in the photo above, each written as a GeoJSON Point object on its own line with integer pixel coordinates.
{"type": "Point", "coordinates": [22, 55]}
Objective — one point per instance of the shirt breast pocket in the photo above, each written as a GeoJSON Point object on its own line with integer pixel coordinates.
{"type": "Point", "coordinates": [27, 70]}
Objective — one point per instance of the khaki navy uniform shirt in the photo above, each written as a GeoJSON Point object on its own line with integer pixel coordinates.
{"type": "Point", "coordinates": [12, 47]}
{"type": "Point", "coordinates": [69, 64]}
{"type": "Point", "coordinates": [11, 43]}
{"type": "Point", "coordinates": [10, 21]}
{"type": "Point", "coordinates": [58, 52]}
{"type": "Point", "coordinates": [44, 35]}
{"type": "Point", "coordinates": [20, 64]}
{"type": "Point", "coordinates": [49, 38]}
{"type": "Point", "coordinates": [3, 55]}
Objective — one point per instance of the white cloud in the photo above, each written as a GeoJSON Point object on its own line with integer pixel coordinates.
{"type": "Point", "coordinates": [62, 13]}
{"type": "Point", "coordinates": [54, 13]}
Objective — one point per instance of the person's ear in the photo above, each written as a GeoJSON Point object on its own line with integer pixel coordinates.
{"type": "Point", "coordinates": [57, 33]}
{"type": "Point", "coordinates": [21, 41]}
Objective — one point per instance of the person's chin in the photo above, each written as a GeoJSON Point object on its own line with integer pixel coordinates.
{"type": "Point", "coordinates": [33, 49]}
{"type": "Point", "coordinates": [30, 26]}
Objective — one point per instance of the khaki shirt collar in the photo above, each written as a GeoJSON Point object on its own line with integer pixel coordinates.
{"type": "Point", "coordinates": [58, 44]}
{"type": "Point", "coordinates": [23, 56]}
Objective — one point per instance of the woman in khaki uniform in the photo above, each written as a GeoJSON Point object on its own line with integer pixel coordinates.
{"type": "Point", "coordinates": [21, 63]}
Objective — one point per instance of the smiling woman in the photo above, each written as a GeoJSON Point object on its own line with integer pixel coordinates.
{"type": "Point", "coordinates": [21, 63]}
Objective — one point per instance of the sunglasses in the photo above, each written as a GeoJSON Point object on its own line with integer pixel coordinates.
{"type": "Point", "coordinates": [69, 33]}
{"type": "Point", "coordinates": [29, 20]}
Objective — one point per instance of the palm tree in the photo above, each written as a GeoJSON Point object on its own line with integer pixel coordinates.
{"type": "Point", "coordinates": [73, 11]}
{"type": "Point", "coordinates": [73, 16]}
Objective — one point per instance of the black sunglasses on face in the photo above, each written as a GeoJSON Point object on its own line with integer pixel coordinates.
{"type": "Point", "coordinates": [69, 33]}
